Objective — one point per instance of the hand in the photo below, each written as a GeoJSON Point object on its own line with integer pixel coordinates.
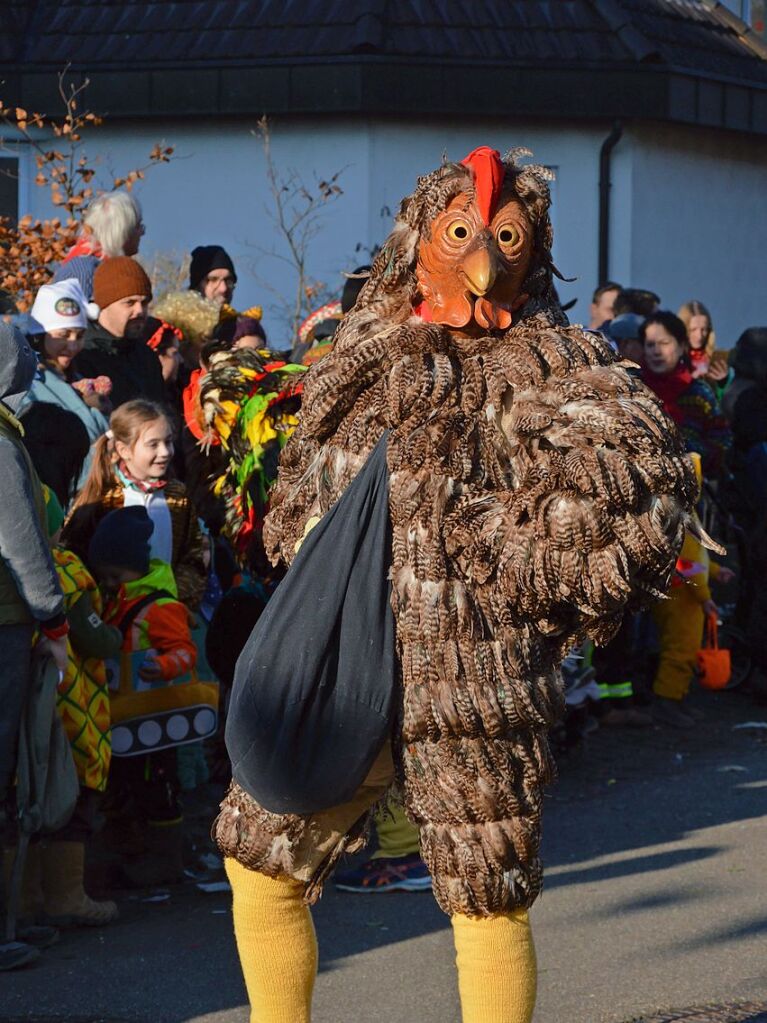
{"type": "Point", "coordinates": [150, 670]}
{"type": "Point", "coordinates": [710, 609]}
{"type": "Point", "coordinates": [57, 648]}
{"type": "Point", "coordinates": [718, 371]}
{"type": "Point", "coordinates": [725, 576]}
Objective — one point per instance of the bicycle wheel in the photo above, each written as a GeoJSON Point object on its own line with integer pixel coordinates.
{"type": "Point", "coordinates": [733, 639]}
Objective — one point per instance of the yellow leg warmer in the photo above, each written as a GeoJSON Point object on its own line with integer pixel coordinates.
{"type": "Point", "coordinates": [276, 943]}
{"type": "Point", "coordinates": [496, 967]}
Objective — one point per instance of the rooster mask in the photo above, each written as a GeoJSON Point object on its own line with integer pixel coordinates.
{"type": "Point", "coordinates": [473, 264]}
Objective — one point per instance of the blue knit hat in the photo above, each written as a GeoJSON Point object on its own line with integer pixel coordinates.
{"type": "Point", "coordinates": [122, 540]}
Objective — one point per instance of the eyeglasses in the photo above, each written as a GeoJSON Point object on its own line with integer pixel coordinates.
{"type": "Point", "coordinates": [230, 282]}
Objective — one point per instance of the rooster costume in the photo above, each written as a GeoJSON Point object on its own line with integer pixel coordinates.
{"type": "Point", "coordinates": [537, 490]}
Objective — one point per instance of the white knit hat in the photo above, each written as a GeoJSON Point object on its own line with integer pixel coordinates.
{"type": "Point", "coordinates": [60, 306]}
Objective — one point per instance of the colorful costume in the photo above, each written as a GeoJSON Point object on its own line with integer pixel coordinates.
{"type": "Point", "coordinates": [536, 489]}
{"type": "Point", "coordinates": [83, 697]}
{"type": "Point", "coordinates": [680, 620]}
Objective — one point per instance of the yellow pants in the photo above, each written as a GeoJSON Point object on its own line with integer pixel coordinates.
{"type": "Point", "coordinates": [680, 623]}
{"type": "Point", "coordinates": [275, 936]}
{"type": "Point", "coordinates": [396, 835]}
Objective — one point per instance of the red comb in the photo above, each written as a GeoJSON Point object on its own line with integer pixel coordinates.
{"type": "Point", "coordinates": [487, 169]}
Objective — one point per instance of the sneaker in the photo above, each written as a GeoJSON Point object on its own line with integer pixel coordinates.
{"type": "Point", "coordinates": [15, 954]}
{"type": "Point", "coordinates": [669, 712]}
{"type": "Point", "coordinates": [38, 935]}
{"type": "Point", "coordinates": [400, 874]}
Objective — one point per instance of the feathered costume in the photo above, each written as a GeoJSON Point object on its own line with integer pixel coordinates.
{"type": "Point", "coordinates": [537, 491]}
{"type": "Point", "coordinates": [249, 402]}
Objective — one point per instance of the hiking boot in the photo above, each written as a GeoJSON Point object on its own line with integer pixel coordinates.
{"type": "Point", "coordinates": [66, 902]}
{"type": "Point", "coordinates": [669, 712]}
{"type": "Point", "coordinates": [398, 874]}
{"type": "Point", "coordinates": [15, 954]}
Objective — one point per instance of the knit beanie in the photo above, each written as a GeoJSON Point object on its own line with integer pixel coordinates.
{"type": "Point", "coordinates": [206, 258]}
{"type": "Point", "coordinates": [59, 306]}
{"type": "Point", "coordinates": [122, 539]}
{"type": "Point", "coordinates": [118, 278]}
{"type": "Point", "coordinates": [54, 513]}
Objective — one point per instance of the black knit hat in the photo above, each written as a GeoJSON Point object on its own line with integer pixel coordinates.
{"type": "Point", "coordinates": [122, 539]}
{"type": "Point", "coordinates": [206, 258]}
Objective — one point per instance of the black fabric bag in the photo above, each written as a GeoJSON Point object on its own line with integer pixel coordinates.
{"type": "Point", "coordinates": [314, 689]}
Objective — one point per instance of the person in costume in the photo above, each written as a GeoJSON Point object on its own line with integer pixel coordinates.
{"type": "Point", "coordinates": [156, 650]}
{"type": "Point", "coordinates": [680, 620]}
{"type": "Point", "coordinates": [535, 490]}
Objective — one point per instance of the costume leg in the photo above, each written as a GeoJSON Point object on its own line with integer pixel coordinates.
{"type": "Point", "coordinates": [680, 628]}
{"type": "Point", "coordinates": [276, 944]}
{"type": "Point", "coordinates": [497, 973]}
{"type": "Point", "coordinates": [396, 835]}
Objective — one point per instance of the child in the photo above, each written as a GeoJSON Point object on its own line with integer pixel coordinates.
{"type": "Point", "coordinates": [680, 620]}
{"type": "Point", "coordinates": [83, 703]}
{"type": "Point", "coordinates": [154, 708]}
{"type": "Point", "coordinates": [130, 469]}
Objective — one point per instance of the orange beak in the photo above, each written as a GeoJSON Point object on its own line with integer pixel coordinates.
{"type": "Point", "coordinates": [480, 268]}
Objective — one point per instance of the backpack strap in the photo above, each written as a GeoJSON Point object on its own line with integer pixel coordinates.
{"type": "Point", "coordinates": [133, 612]}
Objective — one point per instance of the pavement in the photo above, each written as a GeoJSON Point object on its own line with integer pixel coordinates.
{"type": "Point", "coordinates": [654, 909]}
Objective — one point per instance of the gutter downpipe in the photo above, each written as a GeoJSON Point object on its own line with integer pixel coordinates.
{"type": "Point", "coordinates": [605, 155]}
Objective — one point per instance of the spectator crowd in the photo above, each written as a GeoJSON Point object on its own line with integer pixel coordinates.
{"type": "Point", "coordinates": [136, 461]}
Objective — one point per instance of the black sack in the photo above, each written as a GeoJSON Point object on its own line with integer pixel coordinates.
{"type": "Point", "coordinates": [314, 687]}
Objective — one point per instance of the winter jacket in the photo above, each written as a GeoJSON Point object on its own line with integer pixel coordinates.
{"type": "Point", "coordinates": [178, 707]}
{"type": "Point", "coordinates": [693, 406]}
{"type": "Point", "coordinates": [163, 626]}
{"type": "Point", "coordinates": [187, 556]}
{"type": "Point", "coordinates": [83, 697]}
{"type": "Point", "coordinates": [133, 368]}
{"type": "Point", "coordinates": [49, 387]}
{"type": "Point", "coordinates": [29, 588]}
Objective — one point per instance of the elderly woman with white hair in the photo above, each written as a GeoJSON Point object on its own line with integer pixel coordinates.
{"type": "Point", "coordinates": [112, 226]}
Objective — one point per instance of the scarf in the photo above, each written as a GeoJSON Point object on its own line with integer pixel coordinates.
{"type": "Point", "coordinates": [85, 245]}
{"type": "Point", "coordinates": [129, 480]}
{"type": "Point", "coordinates": [669, 387]}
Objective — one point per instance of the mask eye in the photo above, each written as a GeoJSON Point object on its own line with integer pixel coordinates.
{"type": "Point", "coordinates": [458, 231]}
{"type": "Point", "coordinates": [508, 236]}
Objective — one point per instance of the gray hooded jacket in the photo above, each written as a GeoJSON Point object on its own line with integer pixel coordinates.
{"type": "Point", "coordinates": [29, 586]}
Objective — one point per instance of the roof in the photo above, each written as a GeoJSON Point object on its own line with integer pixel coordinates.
{"type": "Point", "coordinates": [672, 59]}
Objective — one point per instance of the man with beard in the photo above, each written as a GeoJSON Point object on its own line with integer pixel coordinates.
{"type": "Point", "coordinates": [114, 345]}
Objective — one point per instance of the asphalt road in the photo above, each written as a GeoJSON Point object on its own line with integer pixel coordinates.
{"type": "Point", "coordinates": [655, 845]}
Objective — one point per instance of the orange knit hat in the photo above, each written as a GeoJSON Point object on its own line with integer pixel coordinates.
{"type": "Point", "coordinates": [118, 278]}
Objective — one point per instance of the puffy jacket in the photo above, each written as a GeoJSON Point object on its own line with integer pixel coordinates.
{"type": "Point", "coordinates": [133, 368]}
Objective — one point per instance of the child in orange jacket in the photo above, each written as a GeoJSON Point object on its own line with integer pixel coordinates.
{"type": "Point", "coordinates": [156, 703]}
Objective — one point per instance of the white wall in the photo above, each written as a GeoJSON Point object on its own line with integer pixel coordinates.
{"type": "Point", "coordinates": [215, 190]}
{"type": "Point", "coordinates": [689, 208]}
{"type": "Point", "coordinates": [699, 222]}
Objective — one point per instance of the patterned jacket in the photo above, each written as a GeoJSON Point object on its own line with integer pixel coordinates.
{"type": "Point", "coordinates": [83, 697]}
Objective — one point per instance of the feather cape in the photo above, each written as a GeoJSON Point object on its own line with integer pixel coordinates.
{"type": "Point", "coordinates": [537, 491]}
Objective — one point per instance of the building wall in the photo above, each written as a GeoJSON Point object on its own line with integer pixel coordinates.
{"type": "Point", "coordinates": [699, 222]}
{"type": "Point", "coordinates": [688, 207]}
{"type": "Point", "coordinates": [215, 190]}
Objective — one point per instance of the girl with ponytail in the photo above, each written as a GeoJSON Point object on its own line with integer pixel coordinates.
{"type": "Point", "coordinates": [130, 467]}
